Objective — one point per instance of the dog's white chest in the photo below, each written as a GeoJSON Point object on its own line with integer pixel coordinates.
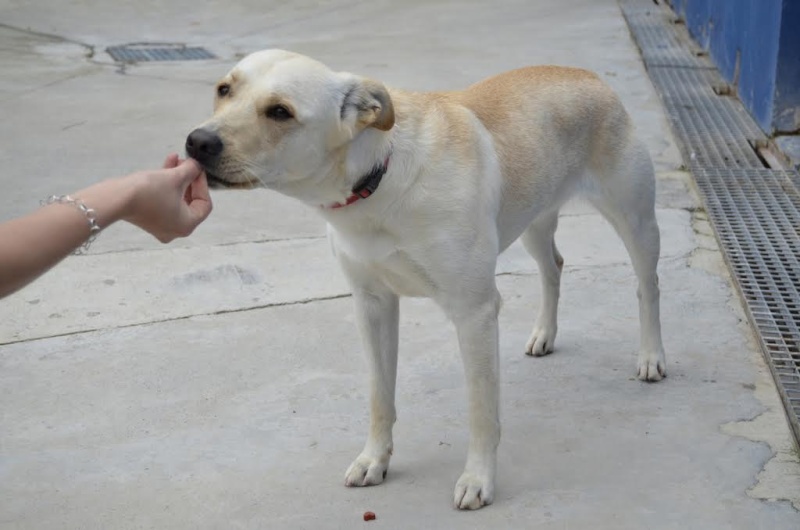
{"type": "Point", "coordinates": [380, 256]}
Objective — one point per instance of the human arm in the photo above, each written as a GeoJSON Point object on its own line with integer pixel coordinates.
{"type": "Point", "coordinates": [167, 203]}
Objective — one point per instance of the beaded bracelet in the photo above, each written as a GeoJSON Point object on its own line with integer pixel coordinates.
{"type": "Point", "coordinates": [90, 214]}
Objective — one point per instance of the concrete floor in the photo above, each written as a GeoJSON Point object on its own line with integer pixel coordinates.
{"type": "Point", "coordinates": [218, 382]}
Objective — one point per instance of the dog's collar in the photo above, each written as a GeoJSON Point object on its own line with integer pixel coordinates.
{"type": "Point", "coordinates": [367, 184]}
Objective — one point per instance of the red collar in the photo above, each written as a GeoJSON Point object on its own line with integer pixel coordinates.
{"type": "Point", "coordinates": [367, 184]}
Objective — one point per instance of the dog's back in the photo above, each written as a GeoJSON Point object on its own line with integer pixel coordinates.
{"type": "Point", "coordinates": [550, 126]}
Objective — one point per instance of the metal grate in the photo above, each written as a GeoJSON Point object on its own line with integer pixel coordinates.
{"type": "Point", "coordinates": [756, 215]}
{"type": "Point", "coordinates": [755, 211]}
{"type": "Point", "coordinates": [640, 6]}
{"type": "Point", "coordinates": [795, 178]}
{"type": "Point", "coordinates": [659, 43]}
{"type": "Point", "coordinates": [142, 51]}
{"type": "Point", "coordinates": [715, 131]}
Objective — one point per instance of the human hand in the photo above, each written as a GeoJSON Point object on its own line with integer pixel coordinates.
{"type": "Point", "coordinates": [169, 202]}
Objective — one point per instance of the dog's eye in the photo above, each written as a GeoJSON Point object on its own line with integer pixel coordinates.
{"type": "Point", "coordinates": [279, 113]}
{"type": "Point", "coordinates": [223, 90]}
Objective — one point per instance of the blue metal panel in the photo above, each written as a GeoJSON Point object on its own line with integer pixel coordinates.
{"type": "Point", "coordinates": [755, 44]}
{"type": "Point", "coordinates": [786, 112]}
{"type": "Point", "coordinates": [700, 19]}
{"type": "Point", "coordinates": [751, 28]}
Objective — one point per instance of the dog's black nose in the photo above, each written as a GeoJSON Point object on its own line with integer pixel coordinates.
{"type": "Point", "coordinates": [204, 146]}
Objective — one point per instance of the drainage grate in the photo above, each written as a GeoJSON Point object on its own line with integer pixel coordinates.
{"type": "Point", "coordinates": [715, 131]}
{"type": "Point", "coordinates": [659, 43]}
{"type": "Point", "coordinates": [142, 51]}
{"type": "Point", "coordinates": [755, 211]}
{"type": "Point", "coordinates": [795, 178]}
{"type": "Point", "coordinates": [756, 215]}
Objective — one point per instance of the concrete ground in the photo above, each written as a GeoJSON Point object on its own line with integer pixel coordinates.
{"type": "Point", "coordinates": [218, 382]}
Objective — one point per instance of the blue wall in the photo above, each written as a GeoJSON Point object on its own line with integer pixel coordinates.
{"type": "Point", "coordinates": [787, 83]}
{"type": "Point", "coordinates": [765, 34]}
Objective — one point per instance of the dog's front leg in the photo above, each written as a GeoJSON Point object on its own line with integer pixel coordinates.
{"type": "Point", "coordinates": [478, 340]}
{"type": "Point", "coordinates": [377, 315]}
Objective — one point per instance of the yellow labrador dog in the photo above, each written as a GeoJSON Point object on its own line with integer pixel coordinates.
{"type": "Point", "coordinates": [422, 191]}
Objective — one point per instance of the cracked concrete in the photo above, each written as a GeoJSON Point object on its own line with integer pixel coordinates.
{"type": "Point", "coordinates": [779, 479]}
{"type": "Point", "coordinates": [218, 382]}
{"type": "Point", "coordinates": [33, 61]}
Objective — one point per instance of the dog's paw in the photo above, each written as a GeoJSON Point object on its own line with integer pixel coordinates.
{"type": "Point", "coordinates": [652, 366]}
{"type": "Point", "coordinates": [541, 341]}
{"type": "Point", "coordinates": [366, 471]}
{"type": "Point", "coordinates": [473, 491]}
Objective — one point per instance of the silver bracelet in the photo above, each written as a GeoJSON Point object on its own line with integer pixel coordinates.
{"type": "Point", "coordinates": [91, 217]}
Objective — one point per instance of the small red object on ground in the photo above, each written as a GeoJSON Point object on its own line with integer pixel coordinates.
{"type": "Point", "coordinates": [369, 516]}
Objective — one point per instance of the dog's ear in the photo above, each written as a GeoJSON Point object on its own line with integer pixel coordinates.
{"type": "Point", "coordinates": [369, 102]}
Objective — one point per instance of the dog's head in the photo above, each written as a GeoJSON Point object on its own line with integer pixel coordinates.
{"type": "Point", "coordinates": [281, 117]}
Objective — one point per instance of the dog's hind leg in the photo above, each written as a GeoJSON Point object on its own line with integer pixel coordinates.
{"type": "Point", "coordinates": [626, 197]}
{"type": "Point", "coordinates": [539, 241]}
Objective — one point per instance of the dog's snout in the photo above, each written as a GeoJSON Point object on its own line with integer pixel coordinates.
{"type": "Point", "coordinates": [204, 146]}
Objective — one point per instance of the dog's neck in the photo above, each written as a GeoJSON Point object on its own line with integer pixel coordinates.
{"type": "Point", "coordinates": [359, 166]}
{"type": "Point", "coordinates": [366, 185]}
{"type": "Point", "coordinates": [364, 159]}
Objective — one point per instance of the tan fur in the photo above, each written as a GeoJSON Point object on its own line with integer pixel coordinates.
{"type": "Point", "coordinates": [557, 102]}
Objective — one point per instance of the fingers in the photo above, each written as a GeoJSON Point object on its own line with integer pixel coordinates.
{"type": "Point", "coordinates": [200, 210]}
{"type": "Point", "coordinates": [199, 188]}
{"type": "Point", "coordinates": [187, 171]}
{"type": "Point", "coordinates": [200, 204]}
{"type": "Point", "coordinates": [196, 194]}
{"type": "Point", "coordinates": [171, 161]}
{"type": "Point", "coordinates": [185, 182]}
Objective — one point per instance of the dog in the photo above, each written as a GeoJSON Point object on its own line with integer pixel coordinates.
{"type": "Point", "coordinates": [422, 192]}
